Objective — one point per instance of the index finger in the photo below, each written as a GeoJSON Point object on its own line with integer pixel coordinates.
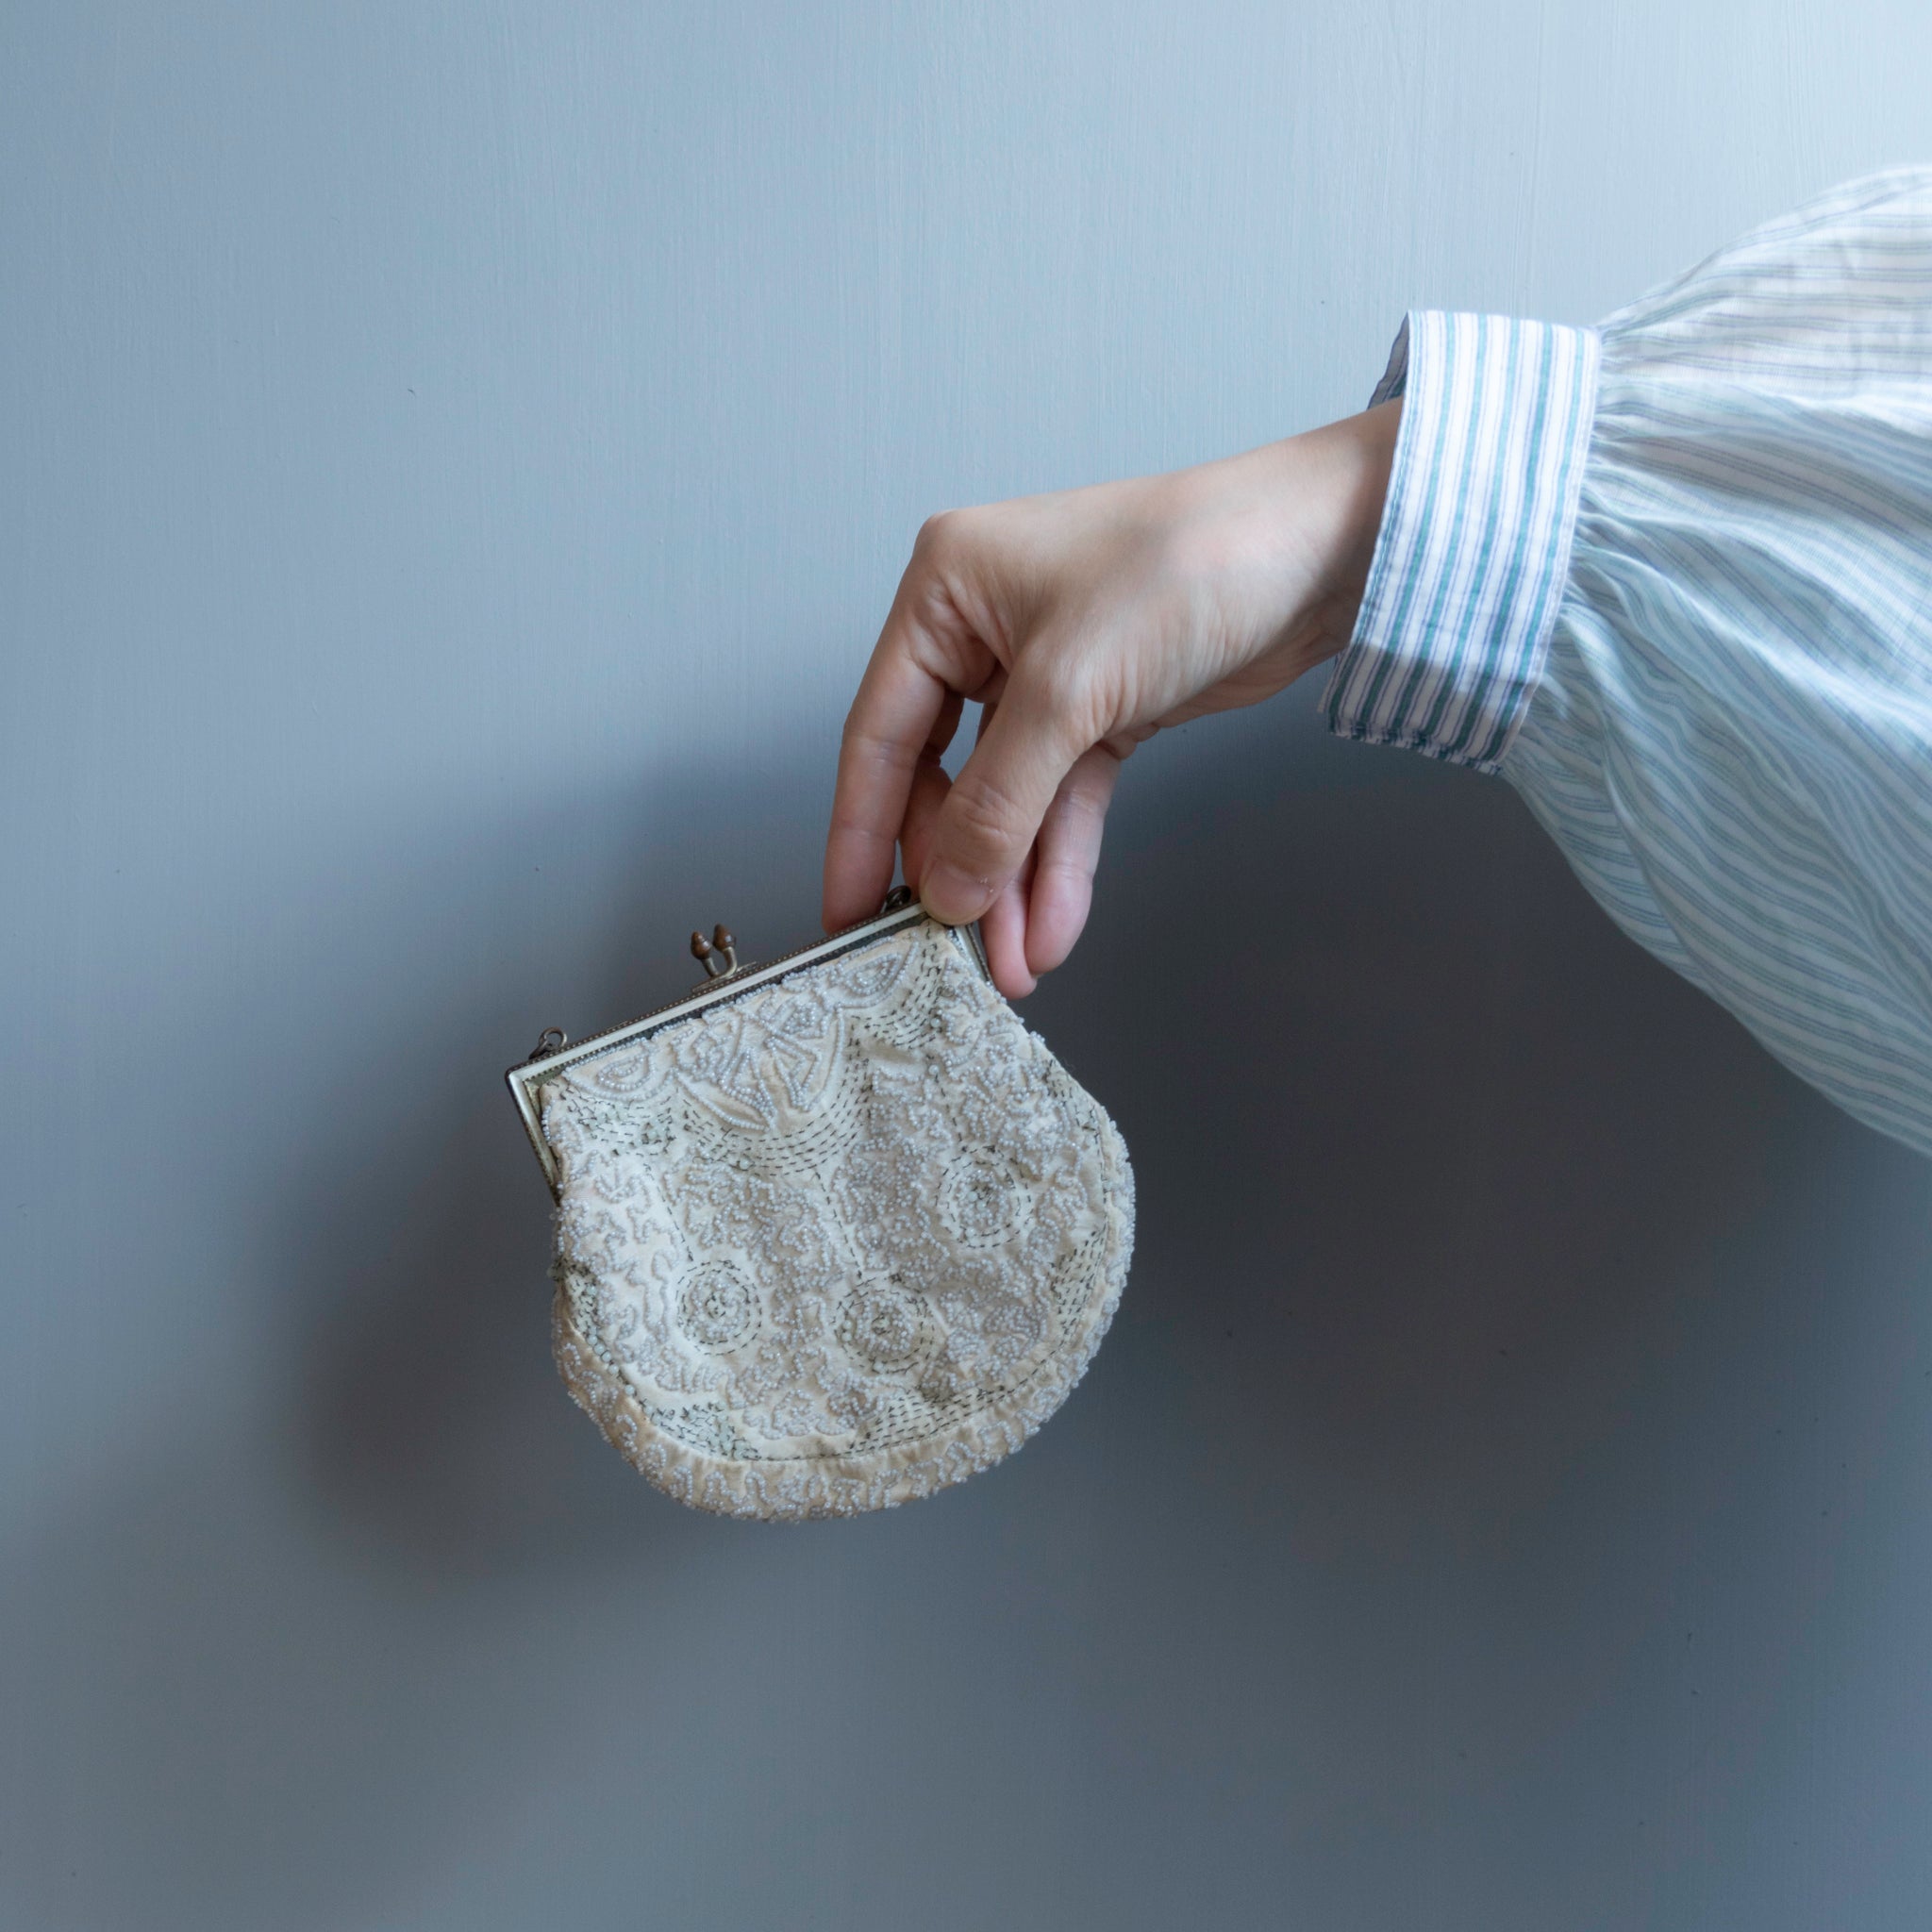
{"type": "Point", "coordinates": [904, 708]}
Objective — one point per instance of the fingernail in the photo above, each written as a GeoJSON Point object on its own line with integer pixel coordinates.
{"type": "Point", "coordinates": [953, 896]}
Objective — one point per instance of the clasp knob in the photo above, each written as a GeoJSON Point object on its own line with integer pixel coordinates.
{"type": "Point", "coordinates": [718, 954]}
{"type": "Point", "coordinates": [552, 1039]}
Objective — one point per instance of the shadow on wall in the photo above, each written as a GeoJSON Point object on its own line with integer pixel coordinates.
{"type": "Point", "coordinates": [433, 1426]}
{"type": "Point", "coordinates": [1419, 1134]}
{"type": "Point", "coordinates": [1408, 1119]}
{"type": "Point", "coordinates": [300, 1606]}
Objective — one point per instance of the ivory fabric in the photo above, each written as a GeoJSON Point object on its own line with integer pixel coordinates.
{"type": "Point", "coordinates": [834, 1243]}
{"type": "Point", "coordinates": [1672, 578]}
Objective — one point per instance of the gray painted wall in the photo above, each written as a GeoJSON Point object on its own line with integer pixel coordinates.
{"type": "Point", "coordinates": [453, 462]}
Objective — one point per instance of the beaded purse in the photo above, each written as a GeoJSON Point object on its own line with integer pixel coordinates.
{"type": "Point", "coordinates": [831, 1233]}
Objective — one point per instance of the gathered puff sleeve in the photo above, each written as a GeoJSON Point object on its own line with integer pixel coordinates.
{"type": "Point", "coordinates": [1672, 578]}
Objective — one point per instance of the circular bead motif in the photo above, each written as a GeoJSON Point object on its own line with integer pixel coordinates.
{"type": "Point", "coordinates": [884, 1327]}
{"type": "Point", "coordinates": [716, 1308]}
{"type": "Point", "coordinates": [981, 1201]}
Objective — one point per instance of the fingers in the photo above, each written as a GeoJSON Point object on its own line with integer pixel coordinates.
{"type": "Point", "coordinates": [1034, 919]}
{"type": "Point", "coordinates": [1068, 851]}
{"type": "Point", "coordinates": [899, 704]}
{"type": "Point", "coordinates": [1003, 933]}
{"type": "Point", "coordinates": [992, 814]}
{"type": "Point", "coordinates": [928, 794]}
{"type": "Point", "coordinates": [1003, 925]}
{"type": "Point", "coordinates": [936, 648]}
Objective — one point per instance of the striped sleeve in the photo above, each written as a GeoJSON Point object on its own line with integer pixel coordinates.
{"type": "Point", "coordinates": [1731, 736]}
{"type": "Point", "coordinates": [1670, 579]}
{"type": "Point", "coordinates": [1470, 563]}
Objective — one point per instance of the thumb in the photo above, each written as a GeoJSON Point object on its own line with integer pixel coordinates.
{"type": "Point", "coordinates": [992, 814]}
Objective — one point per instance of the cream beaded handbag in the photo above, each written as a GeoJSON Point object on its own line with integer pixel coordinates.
{"type": "Point", "coordinates": [831, 1233]}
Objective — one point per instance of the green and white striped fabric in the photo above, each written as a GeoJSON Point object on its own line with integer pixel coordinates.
{"type": "Point", "coordinates": [1672, 577]}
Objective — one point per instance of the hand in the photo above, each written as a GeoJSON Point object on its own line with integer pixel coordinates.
{"type": "Point", "coordinates": [1082, 623]}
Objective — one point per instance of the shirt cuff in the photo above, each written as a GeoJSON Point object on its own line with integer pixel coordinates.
{"type": "Point", "coordinates": [1474, 544]}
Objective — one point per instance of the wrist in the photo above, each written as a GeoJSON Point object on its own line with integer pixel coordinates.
{"type": "Point", "coordinates": [1340, 486]}
{"type": "Point", "coordinates": [1353, 459]}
